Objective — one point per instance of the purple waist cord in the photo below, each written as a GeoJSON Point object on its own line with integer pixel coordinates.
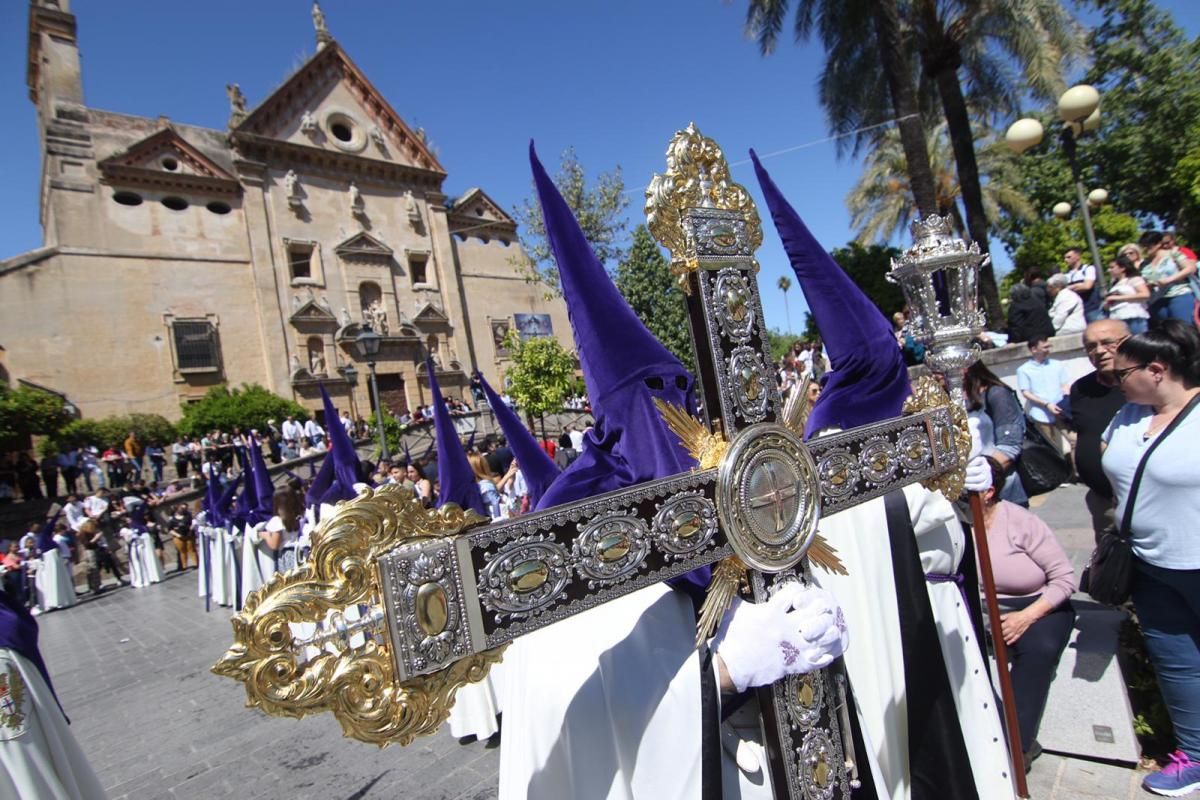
{"type": "Point", "coordinates": [937, 577]}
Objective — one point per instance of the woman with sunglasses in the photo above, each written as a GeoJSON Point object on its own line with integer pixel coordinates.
{"type": "Point", "coordinates": [1159, 374]}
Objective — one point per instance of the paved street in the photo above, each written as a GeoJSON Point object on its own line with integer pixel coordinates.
{"type": "Point", "coordinates": [132, 672]}
{"type": "Point", "coordinates": [131, 669]}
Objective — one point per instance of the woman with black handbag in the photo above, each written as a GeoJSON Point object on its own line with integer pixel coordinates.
{"type": "Point", "coordinates": [1150, 459]}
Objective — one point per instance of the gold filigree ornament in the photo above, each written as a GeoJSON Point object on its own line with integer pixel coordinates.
{"type": "Point", "coordinates": [927, 394]}
{"type": "Point", "coordinates": [346, 666]}
{"type": "Point", "coordinates": [697, 176]}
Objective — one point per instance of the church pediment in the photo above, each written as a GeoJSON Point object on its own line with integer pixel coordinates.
{"type": "Point", "coordinates": [329, 104]}
{"type": "Point", "coordinates": [167, 159]}
{"type": "Point", "coordinates": [363, 245]}
{"type": "Point", "coordinates": [475, 205]}
{"type": "Point", "coordinates": [430, 313]}
{"type": "Point", "coordinates": [312, 313]}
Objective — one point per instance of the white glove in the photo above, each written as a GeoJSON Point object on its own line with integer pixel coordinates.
{"type": "Point", "coordinates": [979, 472]}
{"type": "Point", "coordinates": [798, 630]}
{"type": "Point", "coordinates": [979, 475]}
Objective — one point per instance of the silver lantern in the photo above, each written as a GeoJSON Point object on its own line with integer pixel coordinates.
{"type": "Point", "coordinates": [948, 328]}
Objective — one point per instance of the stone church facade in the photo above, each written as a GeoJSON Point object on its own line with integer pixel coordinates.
{"type": "Point", "coordinates": [177, 257]}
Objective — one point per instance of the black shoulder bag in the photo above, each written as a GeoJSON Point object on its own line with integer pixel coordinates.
{"type": "Point", "coordinates": [1108, 577]}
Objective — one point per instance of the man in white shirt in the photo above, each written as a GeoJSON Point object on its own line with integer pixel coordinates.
{"type": "Point", "coordinates": [576, 439]}
{"type": "Point", "coordinates": [1066, 312]}
{"type": "Point", "coordinates": [74, 513]}
{"type": "Point", "coordinates": [1044, 382]}
{"type": "Point", "coordinates": [97, 504]}
{"type": "Point", "coordinates": [314, 432]}
{"type": "Point", "coordinates": [293, 431]}
{"type": "Point", "coordinates": [347, 423]}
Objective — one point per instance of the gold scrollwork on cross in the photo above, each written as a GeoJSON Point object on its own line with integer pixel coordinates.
{"type": "Point", "coordinates": [697, 176]}
{"type": "Point", "coordinates": [928, 394]}
{"type": "Point", "coordinates": [357, 683]}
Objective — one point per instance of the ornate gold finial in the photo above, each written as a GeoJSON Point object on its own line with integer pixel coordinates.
{"type": "Point", "coordinates": [697, 176]}
{"type": "Point", "coordinates": [927, 394]}
{"type": "Point", "coordinates": [347, 669]}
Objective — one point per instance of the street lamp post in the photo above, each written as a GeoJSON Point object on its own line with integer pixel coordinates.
{"type": "Point", "coordinates": [1079, 108]}
{"type": "Point", "coordinates": [368, 342]}
{"type": "Point", "coordinates": [351, 376]}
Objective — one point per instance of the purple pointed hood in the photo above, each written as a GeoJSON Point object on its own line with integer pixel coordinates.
{"type": "Point", "coordinates": [247, 499]}
{"type": "Point", "coordinates": [340, 469]}
{"type": "Point", "coordinates": [868, 381]}
{"type": "Point", "coordinates": [624, 367]}
{"type": "Point", "coordinates": [537, 467]}
{"type": "Point", "coordinates": [212, 502]}
{"type": "Point", "coordinates": [45, 536]}
{"type": "Point", "coordinates": [19, 633]}
{"type": "Point", "coordinates": [264, 489]}
{"type": "Point", "coordinates": [456, 479]}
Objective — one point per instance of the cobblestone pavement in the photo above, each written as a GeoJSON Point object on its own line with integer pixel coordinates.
{"type": "Point", "coordinates": [132, 671]}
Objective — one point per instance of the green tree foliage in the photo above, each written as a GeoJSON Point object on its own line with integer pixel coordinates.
{"type": "Point", "coordinates": [542, 374]}
{"type": "Point", "coordinates": [987, 52]}
{"type": "Point", "coordinates": [247, 407]}
{"type": "Point", "coordinates": [112, 431]}
{"type": "Point", "coordinates": [1044, 242]}
{"type": "Point", "coordinates": [880, 205]}
{"type": "Point", "coordinates": [25, 412]}
{"type": "Point", "coordinates": [644, 278]}
{"type": "Point", "coordinates": [599, 209]}
{"type": "Point", "coordinates": [393, 431]}
{"type": "Point", "coordinates": [779, 342]}
{"type": "Point", "coordinates": [1187, 175]}
{"type": "Point", "coordinates": [868, 268]}
{"type": "Point", "coordinates": [1145, 68]}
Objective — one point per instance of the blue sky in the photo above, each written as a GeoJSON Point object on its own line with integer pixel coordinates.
{"type": "Point", "coordinates": [612, 79]}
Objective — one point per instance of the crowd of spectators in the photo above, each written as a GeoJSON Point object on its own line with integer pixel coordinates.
{"type": "Point", "coordinates": [1154, 278]}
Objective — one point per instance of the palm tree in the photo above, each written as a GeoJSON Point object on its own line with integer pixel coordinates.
{"type": "Point", "coordinates": [1005, 48]}
{"type": "Point", "coordinates": [764, 21]}
{"type": "Point", "coordinates": [784, 284]}
{"type": "Point", "coordinates": [877, 202]}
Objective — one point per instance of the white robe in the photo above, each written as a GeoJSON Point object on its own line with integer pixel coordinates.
{"type": "Point", "coordinates": [144, 568]}
{"type": "Point", "coordinates": [54, 582]}
{"type": "Point", "coordinates": [258, 565]}
{"type": "Point", "coordinates": [874, 660]}
{"type": "Point", "coordinates": [477, 705]}
{"type": "Point", "coordinates": [39, 757]}
{"type": "Point", "coordinates": [258, 562]}
{"type": "Point", "coordinates": [605, 704]}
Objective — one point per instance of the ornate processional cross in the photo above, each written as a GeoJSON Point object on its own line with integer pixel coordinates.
{"type": "Point", "coordinates": [438, 595]}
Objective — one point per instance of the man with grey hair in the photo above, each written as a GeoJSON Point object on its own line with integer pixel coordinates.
{"type": "Point", "coordinates": [1066, 308]}
{"type": "Point", "coordinates": [1095, 398]}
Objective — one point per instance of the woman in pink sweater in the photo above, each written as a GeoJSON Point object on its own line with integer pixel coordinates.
{"type": "Point", "coordinates": [1034, 583]}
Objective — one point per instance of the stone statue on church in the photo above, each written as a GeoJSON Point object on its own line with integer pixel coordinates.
{"type": "Point", "coordinates": [316, 362]}
{"type": "Point", "coordinates": [237, 104]}
{"type": "Point", "coordinates": [294, 363]}
{"type": "Point", "coordinates": [412, 209]}
{"type": "Point", "coordinates": [345, 317]}
{"type": "Point", "coordinates": [291, 185]}
{"type": "Point", "coordinates": [308, 124]}
{"type": "Point", "coordinates": [297, 303]}
{"type": "Point", "coordinates": [377, 137]}
{"type": "Point", "coordinates": [357, 206]}
{"type": "Point", "coordinates": [318, 19]}
{"type": "Point", "coordinates": [376, 316]}
{"type": "Point", "coordinates": [324, 303]}
{"type": "Point", "coordinates": [237, 100]}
